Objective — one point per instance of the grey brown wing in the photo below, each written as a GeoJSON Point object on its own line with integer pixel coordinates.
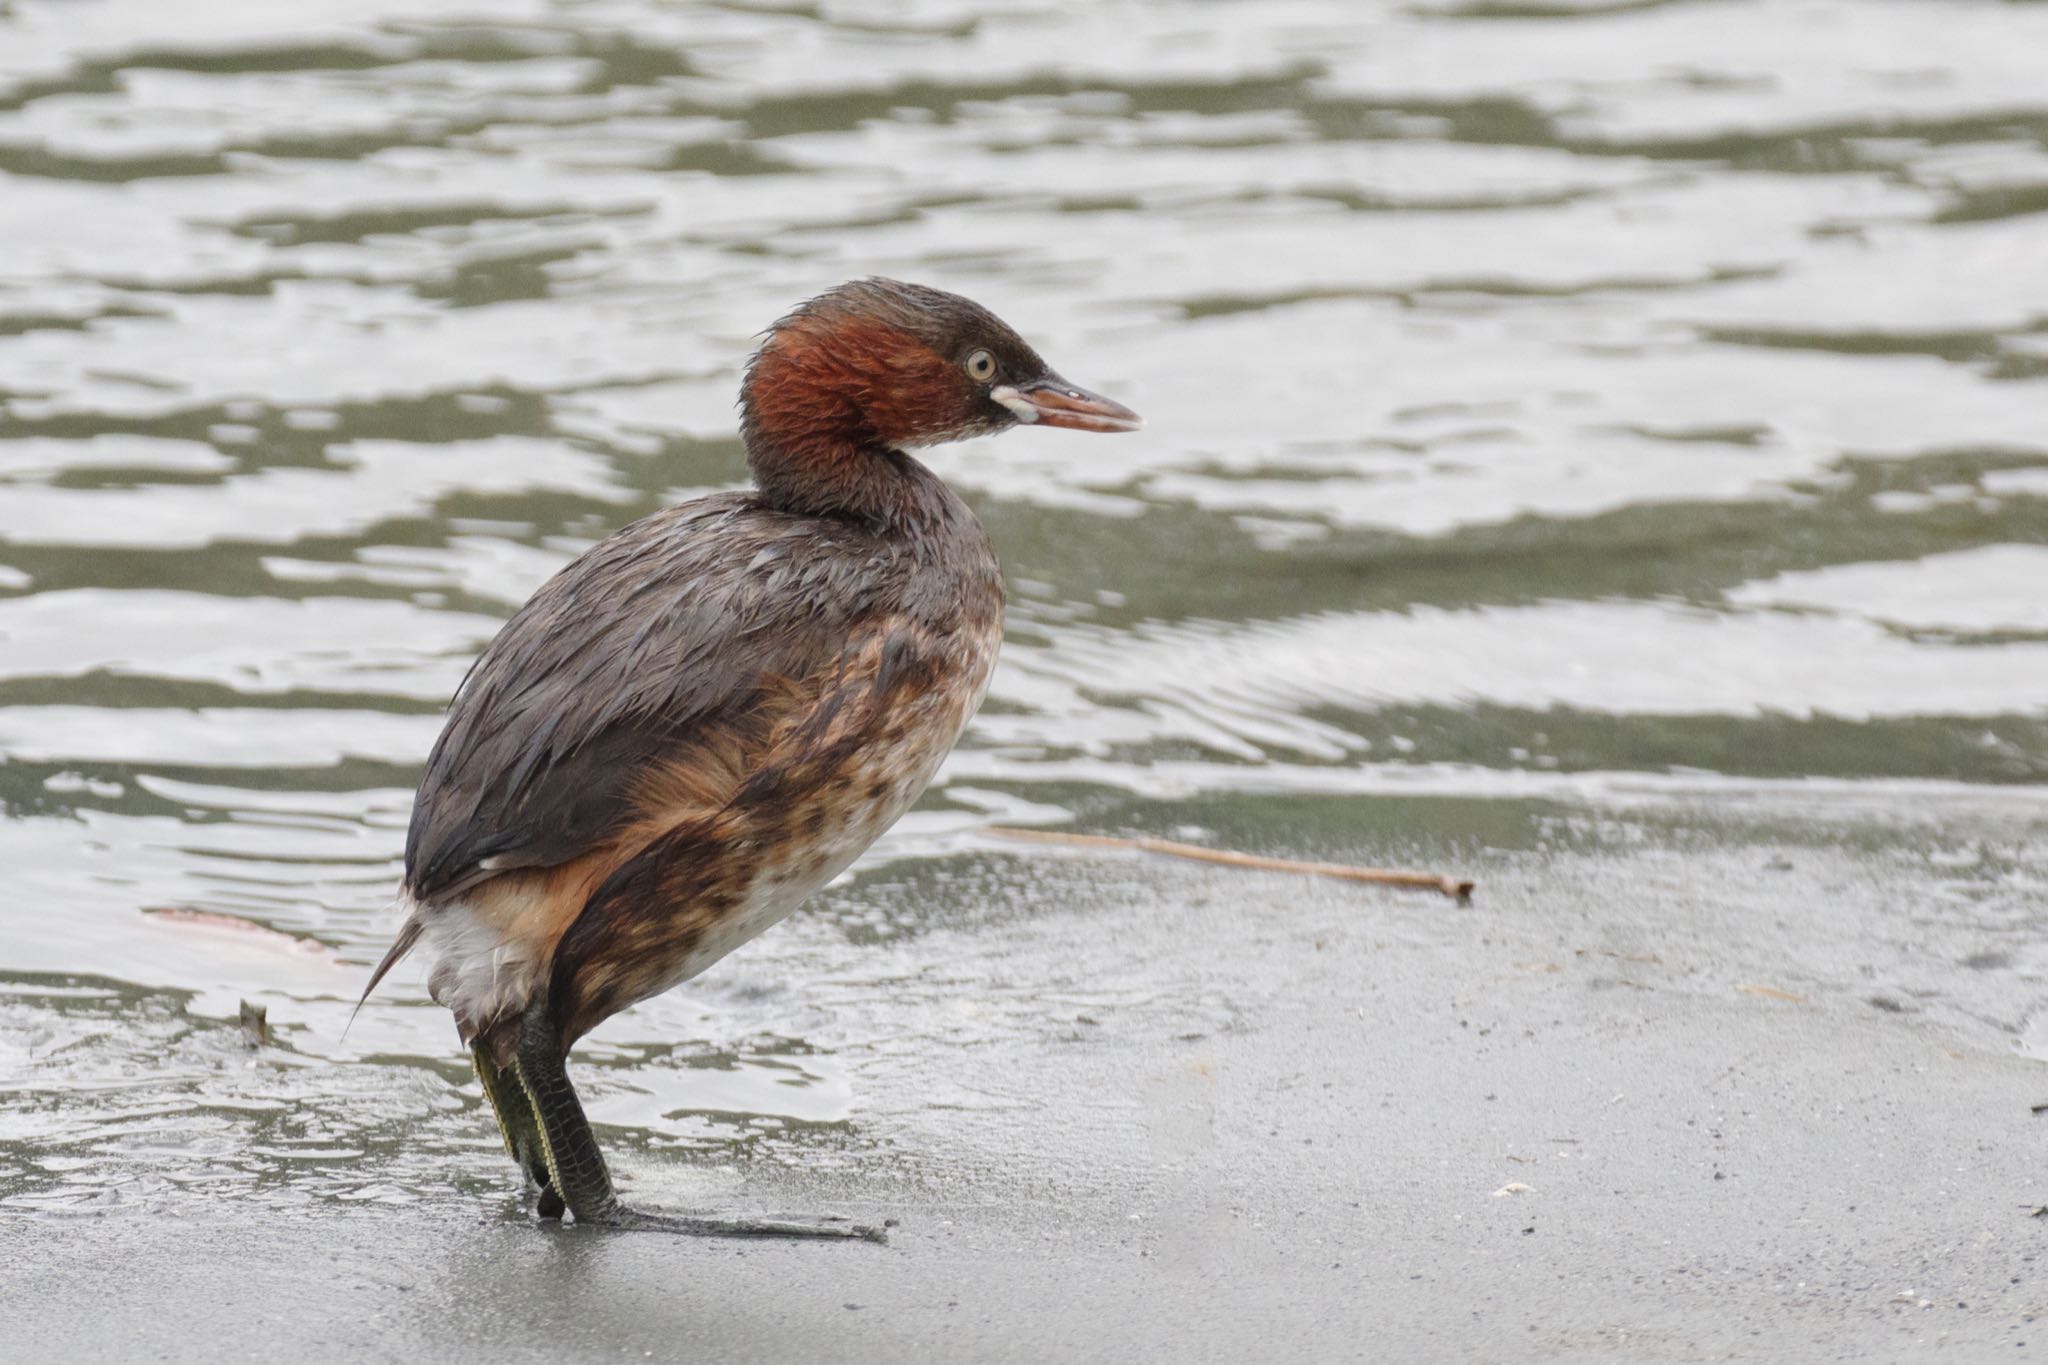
{"type": "Point", "coordinates": [669, 627]}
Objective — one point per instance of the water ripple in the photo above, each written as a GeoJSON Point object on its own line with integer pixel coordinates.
{"type": "Point", "coordinates": [1550, 403]}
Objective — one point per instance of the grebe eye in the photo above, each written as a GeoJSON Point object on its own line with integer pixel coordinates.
{"type": "Point", "coordinates": [981, 367]}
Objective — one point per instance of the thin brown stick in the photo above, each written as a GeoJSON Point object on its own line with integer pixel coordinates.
{"type": "Point", "coordinates": [1457, 888]}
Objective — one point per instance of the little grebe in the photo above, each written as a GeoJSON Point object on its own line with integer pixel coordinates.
{"type": "Point", "coordinates": [709, 714]}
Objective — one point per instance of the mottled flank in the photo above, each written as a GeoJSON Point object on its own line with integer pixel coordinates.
{"type": "Point", "coordinates": [833, 776]}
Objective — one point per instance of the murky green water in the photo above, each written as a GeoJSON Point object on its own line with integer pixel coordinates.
{"type": "Point", "coordinates": [1550, 406]}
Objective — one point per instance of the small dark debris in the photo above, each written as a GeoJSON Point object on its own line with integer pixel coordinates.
{"type": "Point", "coordinates": [1887, 1004]}
{"type": "Point", "coordinates": [255, 1025]}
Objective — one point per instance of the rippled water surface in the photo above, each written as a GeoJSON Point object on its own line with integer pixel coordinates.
{"type": "Point", "coordinates": [1551, 407]}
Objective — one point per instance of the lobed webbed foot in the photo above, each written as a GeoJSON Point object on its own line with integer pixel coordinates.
{"type": "Point", "coordinates": [549, 1136]}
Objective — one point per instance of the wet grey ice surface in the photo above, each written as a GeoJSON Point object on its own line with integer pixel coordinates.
{"type": "Point", "coordinates": [1680, 1090]}
{"type": "Point", "coordinates": [1598, 448]}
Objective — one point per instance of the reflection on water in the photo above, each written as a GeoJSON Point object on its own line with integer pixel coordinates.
{"type": "Point", "coordinates": [1547, 401]}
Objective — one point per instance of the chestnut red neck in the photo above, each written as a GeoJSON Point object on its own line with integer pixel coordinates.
{"type": "Point", "coordinates": [828, 403]}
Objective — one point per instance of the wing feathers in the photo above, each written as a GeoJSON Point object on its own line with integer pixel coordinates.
{"type": "Point", "coordinates": [679, 624]}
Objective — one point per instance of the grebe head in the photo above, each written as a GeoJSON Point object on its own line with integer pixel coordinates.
{"type": "Point", "coordinates": [877, 366]}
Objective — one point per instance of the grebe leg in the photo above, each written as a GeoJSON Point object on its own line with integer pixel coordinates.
{"type": "Point", "coordinates": [520, 1127]}
{"type": "Point", "coordinates": [576, 1169]}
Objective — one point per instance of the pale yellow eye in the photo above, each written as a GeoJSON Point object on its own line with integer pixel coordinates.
{"type": "Point", "coordinates": [981, 367]}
